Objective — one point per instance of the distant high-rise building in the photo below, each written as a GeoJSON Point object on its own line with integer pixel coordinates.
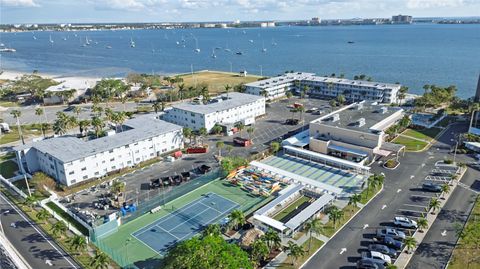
{"type": "Point", "coordinates": [316, 20]}
{"type": "Point", "coordinates": [402, 19]}
{"type": "Point", "coordinates": [477, 94]}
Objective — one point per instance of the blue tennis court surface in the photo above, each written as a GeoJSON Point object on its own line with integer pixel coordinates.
{"type": "Point", "coordinates": [185, 222]}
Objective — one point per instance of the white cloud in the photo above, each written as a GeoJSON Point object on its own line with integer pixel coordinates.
{"type": "Point", "coordinates": [19, 3]}
{"type": "Point", "coordinates": [426, 4]}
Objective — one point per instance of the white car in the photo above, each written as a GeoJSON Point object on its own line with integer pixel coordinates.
{"type": "Point", "coordinates": [405, 222]}
{"type": "Point", "coordinates": [379, 256]}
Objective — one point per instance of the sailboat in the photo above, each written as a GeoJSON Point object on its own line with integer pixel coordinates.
{"type": "Point", "coordinates": [132, 43]}
{"type": "Point", "coordinates": [197, 50]}
{"type": "Point", "coordinates": [50, 39]}
{"type": "Point", "coordinates": [213, 54]}
{"type": "Point", "coordinates": [108, 47]}
{"type": "Point", "coordinates": [263, 47]}
{"type": "Point", "coordinates": [226, 48]}
{"type": "Point", "coordinates": [34, 37]}
{"type": "Point", "coordinates": [64, 38]}
{"type": "Point", "coordinates": [273, 42]}
{"type": "Point", "coordinates": [87, 42]}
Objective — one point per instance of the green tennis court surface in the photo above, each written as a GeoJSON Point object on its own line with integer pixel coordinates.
{"type": "Point", "coordinates": [125, 249]}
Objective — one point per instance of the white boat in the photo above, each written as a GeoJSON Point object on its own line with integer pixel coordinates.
{"type": "Point", "coordinates": [87, 42]}
{"type": "Point", "coordinates": [263, 47]}
{"type": "Point", "coordinates": [251, 40]}
{"type": "Point", "coordinates": [50, 39]}
{"type": "Point", "coordinates": [178, 43]}
{"type": "Point", "coordinates": [3, 49]}
{"type": "Point", "coordinates": [65, 38]}
{"type": "Point", "coordinates": [273, 42]}
{"type": "Point", "coordinates": [108, 47]}
{"type": "Point", "coordinates": [227, 49]}
{"type": "Point", "coordinates": [34, 37]}
{"type": "Point", "coordinates": [197, 50]}
{"type": "Point", "coordinates": [132, 43]}
{"type": "Point", "coordinates": [213, 54]}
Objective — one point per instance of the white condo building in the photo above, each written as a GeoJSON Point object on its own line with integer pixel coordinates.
{"type": "Point", "coordinates": [71, 160]}
{"type": "Point", "coordinates": [224, 109]}
{"type": "Point", "coordinates": [325, 87]}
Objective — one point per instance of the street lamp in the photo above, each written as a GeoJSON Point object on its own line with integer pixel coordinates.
{"type": "Point", "coordinates": [455, 151]}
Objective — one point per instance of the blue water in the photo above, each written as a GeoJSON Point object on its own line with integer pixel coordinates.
{"type": "Point", "coordinates": [413, 55]}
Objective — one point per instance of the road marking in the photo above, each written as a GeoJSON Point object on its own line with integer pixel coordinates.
{"type": "Point", "coordinates": [431, 157]}
{"type": "Point", "coordinates": [365, 226]}
{"type": "Point", "coordinates": [384, 206]}
{"type": "Point", "coordinates": [444, 233]}
{"type": "Point", "coordinates": [48, 262]}
{"type": "Point", "coordinates": [415, 211]}
{"type": "Point", "coordinates": [412, 176]}
{"type": "Point", "coordinates": [399, 190]}
{"type": "Point", "coordinates": [423, 165]}
{"type": "Point", "coordinates": [424, 196]}
{"type": "Point", "coordinates": [422, 206]}
{"type": "Point", "coordinates": [343, 250]}
{"type": "Point", "coordinates": [36, 229]}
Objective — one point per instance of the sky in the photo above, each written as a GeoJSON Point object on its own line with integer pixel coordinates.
{"type": "Point", "coordinates": [81, 11]}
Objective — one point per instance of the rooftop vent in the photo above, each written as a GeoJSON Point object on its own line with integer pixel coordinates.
{"type": "Point", "coordinates": [335, 117]}
{"type": "Point", "coordinates": [361, 122]}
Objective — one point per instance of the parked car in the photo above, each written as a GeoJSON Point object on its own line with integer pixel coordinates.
{"type": "Point", "coordinates": [311, 110]}
{"type": "Point", "coordinates": [383, 249]}
{"type": "Point", "coordinates": [292, 121]}
{"type": "Point", "coordinates": [391, 243]}
{"type": "Point", "coordinates": [433, 187]}
{"type": "Point", "coordinates": [377, 256]}
{"type": "Point", "coordinates": [368, 264]}
{"type": "Point", "coordinates": [392, 232]}
{"type": "Point", "coordinates": [69, 108]}
{"type": "Point", "coordinates": [405, 222]}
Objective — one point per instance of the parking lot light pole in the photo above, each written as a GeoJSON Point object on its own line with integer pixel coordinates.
{"type": "Point", "coordinates": [455, 150]}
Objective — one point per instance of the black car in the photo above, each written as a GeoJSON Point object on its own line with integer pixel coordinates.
{"type": "Point", "coordinates": [433, 187]}
{"type": "Point", "coordinates": [203, 169]}
{"type": "Point", "coordinates": [69, 108]}
{"type": "Point", "coordinates": [391, 243]}
{"type": "Point", "coordinates": [383, 249]}
{"type": "Point", "coordinates": [369, 264]}
{"type": "Point", "coordinates": [292, 121]}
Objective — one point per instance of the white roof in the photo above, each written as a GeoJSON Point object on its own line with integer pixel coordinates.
{"type": "Point", "coordinates": [304, 180]}
{"type": "Point", "coordinates": [72, 83]}
{"type": "Point", "coordinates": [309, 211]}
{"type": "Point", "coordinates": [300, 140]}
{"type": "Point", "coordinates": [328, 158]}
{"type": "Point", "coordinates": [294, 189]}
{"type": "Point", "coordinates": [270, 222]}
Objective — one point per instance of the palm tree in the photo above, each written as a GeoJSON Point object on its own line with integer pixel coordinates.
{"type": "Point", "coordinates": [100, 260]}
{"type": "Point", "coordinates": [294, 251]}
{"type": "Point", "coordinates": [39, 111]}
{"type": "Point", "coordinates": [422, 223]}
{"type": "Point", "coordinates": [77, 110]}
{"type": "Point", "coordinates": [301, 109]}
{"type": "Point", "coordinates": [59, 228]}
{"type": "Point", "coordinates": [43, 215]}
{"type": "Point", "coordinates": [264, 93]}
{"type": "Point", "coordinates": [240, 126]}
{"type": "Point", "coordinates": [354, 200]}
{"type": "Point", "coordinates": [410, 243]}
{"type": "Point", "coordinates": [237, 219]}
{"type": "Point", "coordinates": [211, 230]}
{"type": "Point", "coordinates": [77, 243]}
{"type": "Point", "coordinates": [220, 145]}
{"type": "Point", "coordinates": [250, 131]}
{"type": "Point", "coordinates": [304, 91]}
{"type": "Point", "coordinates": [288, 93]}
{"type": "Point", "coordinates": [181, 90]}
{"type": "Point", "coordinates": [293, 110]}
{"type": "Point", "coordinates": [434, 205]}
{"type": "Point", "coordinates": [202, 132]}
{"type": "Point", "coordinates": [97, 124]}
{"type": "Point", "coordinates": [17, 114]}
{"type": "Point", "coordinates": [227, 89]}
{"type": "Point", "coordinates": [30, 201]}
{"type": "Point", "coordinates": [83, 125]}
{"type": "Point", "coordinates": [259, 251]}
{"type": "Point", "coordinates": [445, 190]}
{"type": "Point", "coordinates": [313, 226]}
{"type": "Point", "coordinates": [187, 132]}
{"type": "Point", "coordinates": [272, 239]}
{"type": "Point", "coordinates": [117, 187]}
{"type": "Point", "coordinates": [335, 215]}
{"type": "Point", "coordinates": [229, 149]}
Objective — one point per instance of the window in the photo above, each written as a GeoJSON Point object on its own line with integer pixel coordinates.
{"type": "Point", "coordinates": [85, 177]}
{"type": "Point", "coordinates": [110, 151]}
{"type": "Point", "coordinates": [84, 168]}
{"type": "Point", "coordinates": [71, 172]}
{"type": "Point", "coordinates": [114, 167]}
{"type": "Point", "coordinates": [112, 159]}
{"type": "Point", "coordinates": [73, 181]}
{"type": "Point", "coordinates": [97, 173]}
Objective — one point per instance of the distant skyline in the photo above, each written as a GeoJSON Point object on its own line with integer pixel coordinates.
{"type": "Point", "coordinates": [98, 11]}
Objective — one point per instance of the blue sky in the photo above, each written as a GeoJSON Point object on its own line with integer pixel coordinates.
{"type": "Point", "coordinates": [74, 11]}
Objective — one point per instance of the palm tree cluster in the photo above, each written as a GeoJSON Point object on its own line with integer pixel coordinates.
{"type": "Point", "coordinates": [294, 251]}
{"type": "Point", "coordinates": [434, 96]}
{"type": "Point", "coordinates": [263, 246]}
{"type": "Point", "coordinates": [108, 89]}
{"type": "Point", "coordinates": [374, 181]}
{"type": "Point", "coordinates": [33, 84]}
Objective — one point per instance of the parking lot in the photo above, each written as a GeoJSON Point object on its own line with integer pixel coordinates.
{"type": "Point", "coordinates": [268, 128]}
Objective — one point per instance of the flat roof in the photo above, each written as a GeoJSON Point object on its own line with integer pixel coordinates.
{"type": "Point", "coordinates": [289, 77]}
{"type": "Point", "coordinates": [348, 150]}
{"type": "Point", "coordinates": [235, 99]}
{"type": "Point", "coordinates": [70, 148]}
{"type": "Point", "coordinates": [328, 158]}
{"type": "Point", "coordinates": [294, 189]}
{"type": "Point", "coordinates": [270, 222]}
{"type": "Point", "coordinates": [309, 211]}
{"type": "Point", "coordinates": [304, 180]}
{"type": "Point", "coordinates": [300, 140]}
{"type": "Point", "coordinates": [349, 117]}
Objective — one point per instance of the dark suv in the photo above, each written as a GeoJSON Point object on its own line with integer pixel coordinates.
{"type": "Point", "coordinates": [433, 187]}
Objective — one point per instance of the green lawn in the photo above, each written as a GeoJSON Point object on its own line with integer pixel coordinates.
{"type": "Point", "coordinates": [27, 130]}
{"type": "Point", "coordinates": [410, 144]}
{"type": "Point", "coordinates": [8, 169]}
{"type": "Point", "coordinates": [8, 104]}
{"type": "Point", "coordinates": [280, 215]}
{"type": "Point", "coordinates": [465, 252]}
{"type": "Point", "coordinates": [315, 244]}
{"type": "Point", "coordinates": [216, 81]}
{"type": "Point", "coordinates": [425, 134]}
{"type": "Point", "coordinates": [114, 244]}
{"type": "Point", "coordinates": [329, 228]}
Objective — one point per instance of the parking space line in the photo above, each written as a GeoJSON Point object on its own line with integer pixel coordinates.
{"type": "Point", "coordinates": [408, 210]}
{"type": "Point", "coordinates": [424, 196]}
{"type": "Point", "coordinates": [423, 206]}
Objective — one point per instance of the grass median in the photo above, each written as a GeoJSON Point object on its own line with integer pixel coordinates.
{"type": "Point", "coordinates": [288, 263]}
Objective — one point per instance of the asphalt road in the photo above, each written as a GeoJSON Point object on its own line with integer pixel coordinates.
{"type": "Point", "coordinates": [35, 247]}
{"type": "Point", "coordinates": [401, 196]}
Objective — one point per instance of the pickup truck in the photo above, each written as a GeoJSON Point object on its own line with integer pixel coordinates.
{"type": "Point", "coordinates": [391, 232]}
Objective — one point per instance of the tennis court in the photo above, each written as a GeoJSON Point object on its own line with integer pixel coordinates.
{"type": "Point", "coordinates": [316, 171]}
{"type": "Point", "coordinates": [184, 223]}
